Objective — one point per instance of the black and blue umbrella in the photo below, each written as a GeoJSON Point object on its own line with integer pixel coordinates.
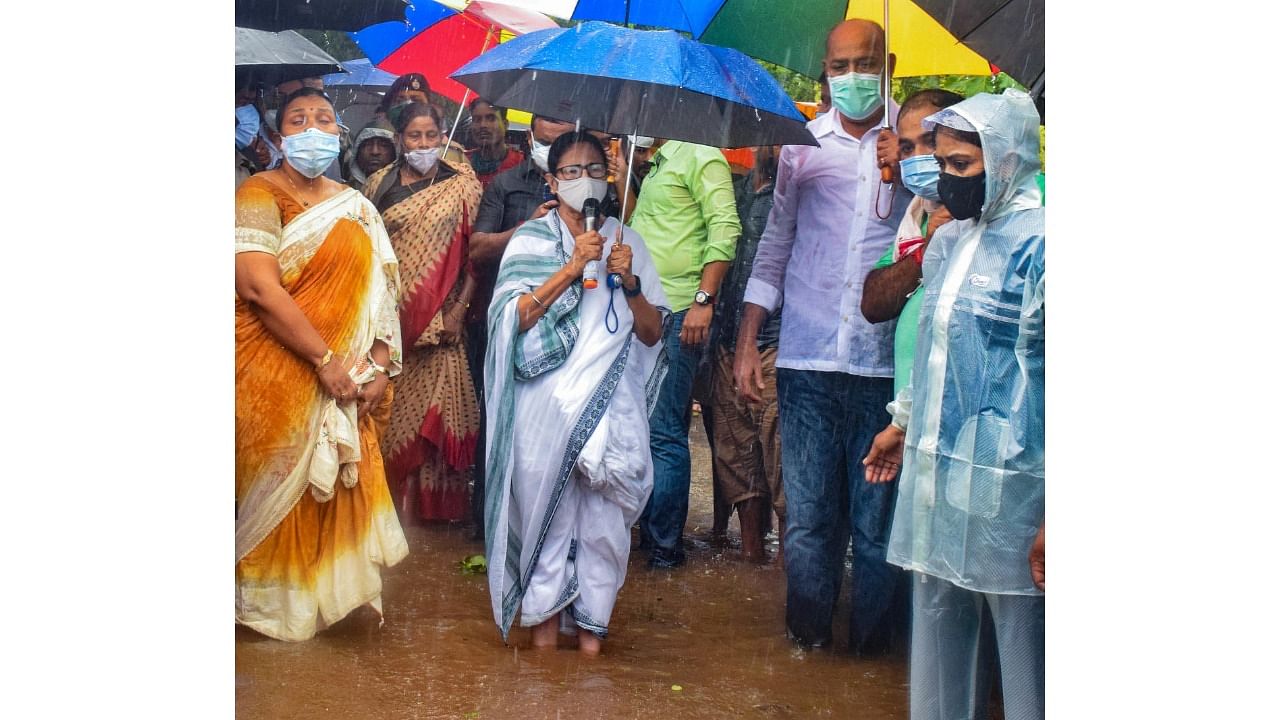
{"type": "Point", "coordinates": [639, 82]}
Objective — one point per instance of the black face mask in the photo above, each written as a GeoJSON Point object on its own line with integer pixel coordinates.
{"type": "Point", "coordinates": [963, 196]}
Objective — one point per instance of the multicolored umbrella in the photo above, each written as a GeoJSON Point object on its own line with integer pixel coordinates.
{"type": "Point", "coordinates": [1009, 33]}
{"type": "Point", "coordinates": [796, 39]}
{"type": "Point", "coordinates": [437, 39]}
{"type": "Point", "coordinates": [791, 34]}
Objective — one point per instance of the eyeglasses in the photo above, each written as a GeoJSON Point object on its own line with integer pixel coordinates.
{"type": "Point", "coordinates": [573, 172]}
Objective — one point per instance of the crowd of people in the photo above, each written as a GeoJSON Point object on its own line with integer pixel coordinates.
{"type": "Point", "coordinates": [420, 337]}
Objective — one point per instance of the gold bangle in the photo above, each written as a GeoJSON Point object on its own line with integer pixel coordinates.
{"type": "Point", "coordinates": [328, 355]}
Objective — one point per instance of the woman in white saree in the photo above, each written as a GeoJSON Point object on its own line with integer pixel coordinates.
{"type": "Point", "coordinates": [570, 377]}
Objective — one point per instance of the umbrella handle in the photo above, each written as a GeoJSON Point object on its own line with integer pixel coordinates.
{"type": "Point", "coordinates": [888, 80]}
{"type": "Point", "coordinates": [457, 120]}
{"type": "Point", "coordinates": [886, 172]}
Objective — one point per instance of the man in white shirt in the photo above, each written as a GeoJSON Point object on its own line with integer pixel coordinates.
{"type": "Point", "coordinates": [831, 221]}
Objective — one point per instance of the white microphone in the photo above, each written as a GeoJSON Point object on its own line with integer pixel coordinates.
{"type": "Point", "coordinates": [591, 273]}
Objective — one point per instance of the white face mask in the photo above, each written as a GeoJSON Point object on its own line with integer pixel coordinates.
{"type": "Point", "coordinates": [423, 160]}
{"type": "Point", "coordinates": [538, 153]}
{"type": "Point", "coordinates": [575, 192]}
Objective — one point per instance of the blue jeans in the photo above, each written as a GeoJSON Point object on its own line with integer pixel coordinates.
{"type": "Point", "coordinates": [828, 422]}
{"type": "Point", "coordinates": [662, 523]}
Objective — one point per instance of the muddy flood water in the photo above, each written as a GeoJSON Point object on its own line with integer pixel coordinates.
{"type": "Point", "coordinates": [706, 640]}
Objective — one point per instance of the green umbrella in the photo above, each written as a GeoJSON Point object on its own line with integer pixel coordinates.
{"type": "Point", "coordinates": [795, 37]}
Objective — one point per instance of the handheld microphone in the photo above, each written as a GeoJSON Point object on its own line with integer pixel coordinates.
{"type": "Point", "coordinates": [591, 273]}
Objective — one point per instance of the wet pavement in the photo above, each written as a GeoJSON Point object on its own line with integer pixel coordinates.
{"type": "Point", "coordinates": [706, 640]}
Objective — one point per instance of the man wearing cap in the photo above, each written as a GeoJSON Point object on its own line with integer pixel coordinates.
{"type": "Point", "coordinates": [491, 154]}
{"type": "Point", "coordinates": [688, 217]}
{"type": "Point", "coordinates": [832, 218]}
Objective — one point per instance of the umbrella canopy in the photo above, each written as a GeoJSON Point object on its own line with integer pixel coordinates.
{"type": "Point", "coordinates": [1009, 33]}
{"type": "Point", "coordinates": [358, 92]}
{"type": "Point", "coordinates": [656, 83]}
{"type": "Point", "coordinates": [360, 73]}
{"type": "Point", "coordinates": [273, 58]}
{"type": "Point", "coordinates": [276, 15]}
{"type": "Point", "coordinates": [436, 39]}
{"type": "Point", "coordinates": [795, 37]}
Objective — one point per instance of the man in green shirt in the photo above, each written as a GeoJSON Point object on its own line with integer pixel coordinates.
{"type": "Point", "coordinates": [688, 218]}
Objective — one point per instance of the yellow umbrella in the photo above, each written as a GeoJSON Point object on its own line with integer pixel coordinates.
{"type": "Point", "coordinates": [921, 44]}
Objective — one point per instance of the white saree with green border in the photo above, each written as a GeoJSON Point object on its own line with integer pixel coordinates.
{"type": "Point", "coordinates": [568, 464]}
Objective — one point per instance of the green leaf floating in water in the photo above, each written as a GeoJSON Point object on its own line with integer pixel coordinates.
{"type": "Point", "coordinates": [473, 565]}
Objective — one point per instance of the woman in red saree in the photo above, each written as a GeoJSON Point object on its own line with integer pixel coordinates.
{"type": "Point", "coordinates": [317, 338]}
{"type": "Point", "coordinates": [428, 202]}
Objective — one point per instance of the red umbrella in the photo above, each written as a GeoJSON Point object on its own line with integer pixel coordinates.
{"type": "Point", "coordinates": [436, 39]}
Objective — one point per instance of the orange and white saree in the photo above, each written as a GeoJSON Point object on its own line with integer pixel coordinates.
{"type": "Point", "coordinates": [314, 518]}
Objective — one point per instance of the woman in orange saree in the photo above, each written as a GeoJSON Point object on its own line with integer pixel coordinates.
{"type": "Point", "coordinates": [428, 203]}
{"type": "Point", "coordinates": [317, 338]}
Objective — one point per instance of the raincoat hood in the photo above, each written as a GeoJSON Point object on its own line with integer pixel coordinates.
{"type": "Point", "coordinates": [1009, 126]}
{"type": "Point", "coordinates": [370, 131]}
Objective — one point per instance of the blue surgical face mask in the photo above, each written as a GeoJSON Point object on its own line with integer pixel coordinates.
{"type": "Point", "coordinates": [856, 95]}
{"type": "Point", "coordinates": [247, 124]}
{"type": "Point", "coordinates": [311, 151]}
{"type": "Point", "coordinates": [920, 175]}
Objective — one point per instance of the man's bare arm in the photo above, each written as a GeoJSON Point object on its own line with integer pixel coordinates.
{"type": "Point", "coordinates": [885, 291]}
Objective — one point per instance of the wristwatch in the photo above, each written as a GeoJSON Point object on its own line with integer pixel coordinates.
{"type": "Point", "coordinates": [632, 293]}
{"type": "Point", "coordinates": [702, 297]}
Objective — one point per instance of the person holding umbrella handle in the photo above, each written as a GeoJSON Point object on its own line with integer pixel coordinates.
{"type": "Point", "coordinates": [579, 174]}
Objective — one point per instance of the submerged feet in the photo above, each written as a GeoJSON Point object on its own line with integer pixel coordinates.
{"type": "Point", "coordinates": [546, 635]}
{"type": "Point", "coordinates": [588, 643]}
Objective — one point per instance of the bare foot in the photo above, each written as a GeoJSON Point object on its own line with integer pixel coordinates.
{"type": "Point", "coordinates": [546, 633]}
{"type": "Point", "coordinates": [588, 643]}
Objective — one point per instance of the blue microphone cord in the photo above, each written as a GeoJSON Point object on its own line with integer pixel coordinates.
{"type": "Point", "coordinates": [611, 312]}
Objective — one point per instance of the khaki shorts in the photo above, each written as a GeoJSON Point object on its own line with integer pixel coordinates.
{"type": "Point", "coordinates": [748, 453]}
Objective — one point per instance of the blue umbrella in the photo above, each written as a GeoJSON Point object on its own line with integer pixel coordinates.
{"type": "Point", "coordinates": [691, 16]}
{"type": "Point", "coordinates": [636, 82]}
{"type": "Point", "coordinates": [360, 72]}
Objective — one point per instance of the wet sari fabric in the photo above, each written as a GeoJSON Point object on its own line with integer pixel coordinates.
{"type": "Point", "coordinates": [314, 519]}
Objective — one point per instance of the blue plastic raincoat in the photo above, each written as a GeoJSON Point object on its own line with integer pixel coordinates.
{"type": "Point", "coordinates": [971, 497]}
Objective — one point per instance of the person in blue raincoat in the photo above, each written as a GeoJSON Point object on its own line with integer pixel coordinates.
{"type": "Point", "coordinates": [969, 519]}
